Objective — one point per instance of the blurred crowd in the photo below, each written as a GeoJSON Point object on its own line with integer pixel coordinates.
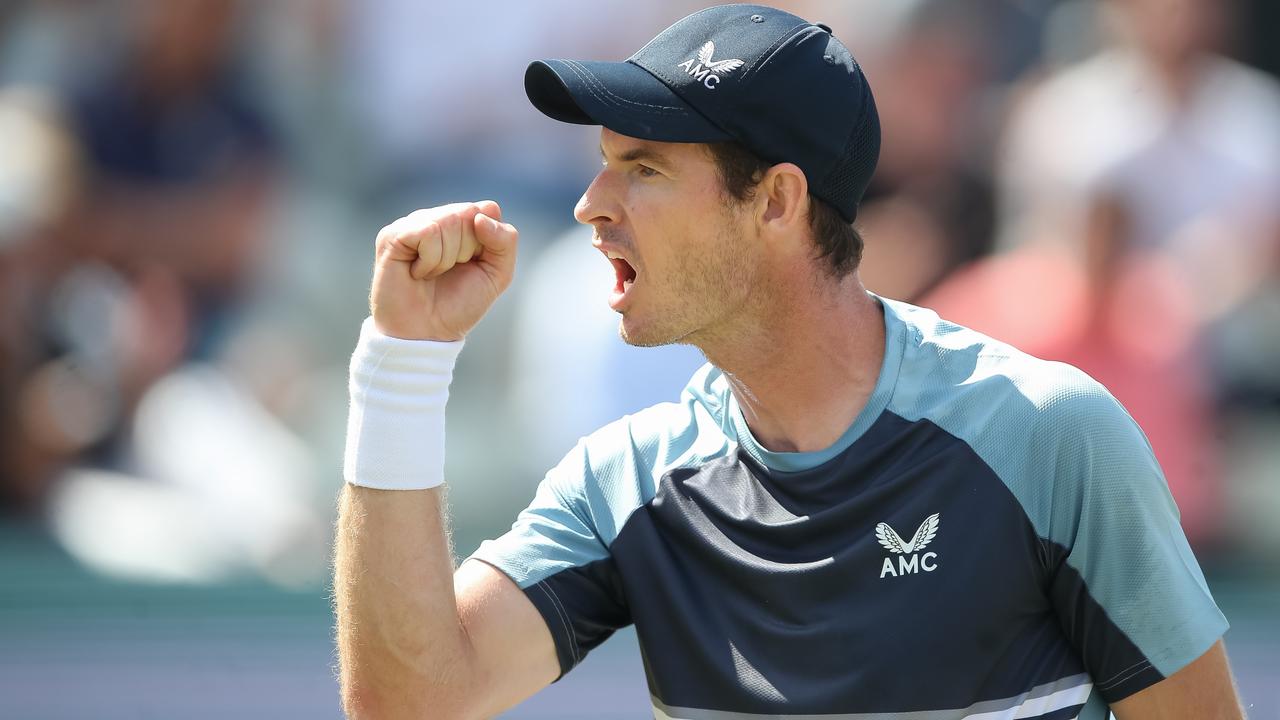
{"type": "Point", "coordinates": [189, 191]}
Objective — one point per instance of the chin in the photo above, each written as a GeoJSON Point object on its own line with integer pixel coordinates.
{"type": "Point", "coordinates": [638, 336]}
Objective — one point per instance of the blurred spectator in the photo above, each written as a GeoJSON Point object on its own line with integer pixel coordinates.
{"type": "Point", "coordinates": [1164, 141]}
{"type": "Point", "coordinates": [124, 357]}
{"type": "Point", "coordinates": [181, 157]}
{"type": "Point", "coordinates": [1182, 136]}
{"type": "Point", "coordinates": [42, 422]}
{"type": "Point", "coordinates": [930, 204]}
{"type": "Point", "coordinates": [1138, 191]}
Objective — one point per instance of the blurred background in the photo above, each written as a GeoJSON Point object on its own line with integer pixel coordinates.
{"type": "Point", "coordinates": [189, 192]}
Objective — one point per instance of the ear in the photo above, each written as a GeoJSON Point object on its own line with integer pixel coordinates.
{"type": "Point", "coordinates": [783, 199]}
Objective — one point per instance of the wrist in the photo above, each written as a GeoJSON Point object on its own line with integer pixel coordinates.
{"type": "Point", "coordinates": [414, 332]}
{"type": "Point", "coordinates": [395, 423]}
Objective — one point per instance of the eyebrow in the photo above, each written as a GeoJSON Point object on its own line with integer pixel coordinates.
{"type": "Point", "coordinates": [639, 153]}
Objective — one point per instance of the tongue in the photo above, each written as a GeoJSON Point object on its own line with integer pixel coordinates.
{"type": "Point", "coordinates": [626, 273]}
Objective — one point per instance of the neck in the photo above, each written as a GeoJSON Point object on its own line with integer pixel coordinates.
{"type": "Point", "coordinates": [807, 365]}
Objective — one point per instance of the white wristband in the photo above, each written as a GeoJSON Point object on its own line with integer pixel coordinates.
{"type": "Point", "coordinates": [395, 423]}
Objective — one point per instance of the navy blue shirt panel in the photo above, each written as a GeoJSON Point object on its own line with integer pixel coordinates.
{"type": "Point", "coordinates": [991, 536]}
{"type": "Point", "coordinates": [733, 566]}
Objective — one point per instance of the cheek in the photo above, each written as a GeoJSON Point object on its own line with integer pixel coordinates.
{"type": "Point", "coordinates": [651, 200]}
{"type": "Point", "coordinates": [735, 249]}
{"type": "Point", "coordinates": [660, 222]}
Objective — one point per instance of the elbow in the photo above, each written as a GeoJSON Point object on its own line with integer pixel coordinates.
{"type": "Point", "coordinates": [365, 700]}
{"type": "Point", "coordinates": [400, 680]}
{"type": "Point", "coordinates": [361, 700]}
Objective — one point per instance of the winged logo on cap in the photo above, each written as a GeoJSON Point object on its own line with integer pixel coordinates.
{"type": "Point", "coordinates": [723, 66]}
{"type": "Point", "coordinates": [924, 535]}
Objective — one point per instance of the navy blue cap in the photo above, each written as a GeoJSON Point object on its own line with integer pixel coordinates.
{"type": "Point", "coordinates": [783, 87]}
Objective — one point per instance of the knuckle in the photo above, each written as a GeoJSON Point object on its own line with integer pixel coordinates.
{"type": "Point", "coordinates": [384, 236]}
{"type": "Point", "coordinates": [423, 215]}
{"type": "Point", "coordinates": [396, 241]}
{"type": "Point", "coordinates": [387, 246]}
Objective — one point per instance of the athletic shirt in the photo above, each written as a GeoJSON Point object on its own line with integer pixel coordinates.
{"type": "Point", "coordinates": [991, 538]}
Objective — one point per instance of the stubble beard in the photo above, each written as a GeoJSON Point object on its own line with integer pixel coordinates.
{"type": "Point", "coordinates": [703, 300]}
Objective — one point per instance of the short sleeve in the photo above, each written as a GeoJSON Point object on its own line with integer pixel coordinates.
{"type": "Point", "coordinates": [1123, 580]}
{"type": "Point", "coordinates": [555, 553]}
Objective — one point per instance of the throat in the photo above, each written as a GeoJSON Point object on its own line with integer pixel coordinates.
{"type": "Point", "coordinates": [803, 391]}
{"type": "Point", "coordinates": [823, 421]}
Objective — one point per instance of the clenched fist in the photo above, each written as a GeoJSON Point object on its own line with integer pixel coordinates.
{"type": "Point", "coordinates": [437, 271]}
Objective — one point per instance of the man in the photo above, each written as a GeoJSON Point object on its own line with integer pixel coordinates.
{"type": "Point", "coordinates": [759, 532]}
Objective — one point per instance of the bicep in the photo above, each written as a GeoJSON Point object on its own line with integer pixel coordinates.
{"type": "Point", "coordinates": [1202, 690]}
{"type": "Point", "coordinates": [513, 649]}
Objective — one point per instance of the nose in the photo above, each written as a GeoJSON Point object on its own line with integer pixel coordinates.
{"type": "Point", "coordinates": [597, 204]}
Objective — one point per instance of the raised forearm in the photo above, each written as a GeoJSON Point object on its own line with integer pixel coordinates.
{"type": "Point", "coordinates": [402, 649]}
{"type": "Point", "coordinates": [402, 646]}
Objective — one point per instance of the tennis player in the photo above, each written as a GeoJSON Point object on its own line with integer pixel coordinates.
{"type": "Point", "coordinates": [855, 509]}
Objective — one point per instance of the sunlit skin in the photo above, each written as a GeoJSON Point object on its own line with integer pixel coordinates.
{"type": "Point", "coordinates": [741, 281]}
{"type": "Point", "coordinates": [696, 259]}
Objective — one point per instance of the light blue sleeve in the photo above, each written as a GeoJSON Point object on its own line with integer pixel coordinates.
{"type": "Point", "coordinates": [1113, 516]}
{"type": "Point", "coordinates": [558, 549]}
{"type": "Point", "coordinates": [555, 532]}
{"type": "Point", "coordinates": [583, 502]}
{"type": "Point", "coordinates": [1120, 573]}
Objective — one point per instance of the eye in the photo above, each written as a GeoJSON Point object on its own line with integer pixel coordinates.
{"type": "Point", "coordinates": [646, 171]}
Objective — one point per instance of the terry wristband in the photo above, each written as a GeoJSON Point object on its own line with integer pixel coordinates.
{"type": "Point", "coordinates": [395, 423]}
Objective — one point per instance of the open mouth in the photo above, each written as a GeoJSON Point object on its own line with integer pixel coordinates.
{"type": "Point", "coordinates": [624, 278]}
{"type": "Point", "coordinates": [626, 275]}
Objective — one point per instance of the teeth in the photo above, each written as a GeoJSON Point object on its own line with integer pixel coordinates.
{"type": "Point", "coordinates": [613, 255]}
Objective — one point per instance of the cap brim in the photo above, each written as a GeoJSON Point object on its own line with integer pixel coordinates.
{"type": "Point", "coordinates": [621, 96]}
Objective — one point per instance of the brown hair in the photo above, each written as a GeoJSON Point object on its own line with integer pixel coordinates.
{"type": "Point", "coordinates": [836, 240]}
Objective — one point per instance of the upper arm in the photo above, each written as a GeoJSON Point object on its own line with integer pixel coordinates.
{"type": "Point", "coordinates": [513, 653]}
{"type": "Point", "coordinates": [538, 598]}
{"type": "Point", "coordinates": [1123, 579]}
{"type": "Point", "coordinates": [1202, 690]}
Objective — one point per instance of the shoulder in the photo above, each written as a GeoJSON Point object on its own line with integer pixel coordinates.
{"type": "Point", "coordinates": [1047, 429]}
{"type": "Point", "coordinates": [1246, 87]}
{"type": "Point", "coordinates": [662, 435]}
{"type": "Point", "coordinates": [617, 468]}
{"type": "Point", "coordinates": [950, 372]}
{"type": "Point", "coordinates": [1101, 77]}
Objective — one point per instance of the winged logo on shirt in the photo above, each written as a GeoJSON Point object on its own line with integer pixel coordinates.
{"type": "Point", "coordinates": [892, 542]}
